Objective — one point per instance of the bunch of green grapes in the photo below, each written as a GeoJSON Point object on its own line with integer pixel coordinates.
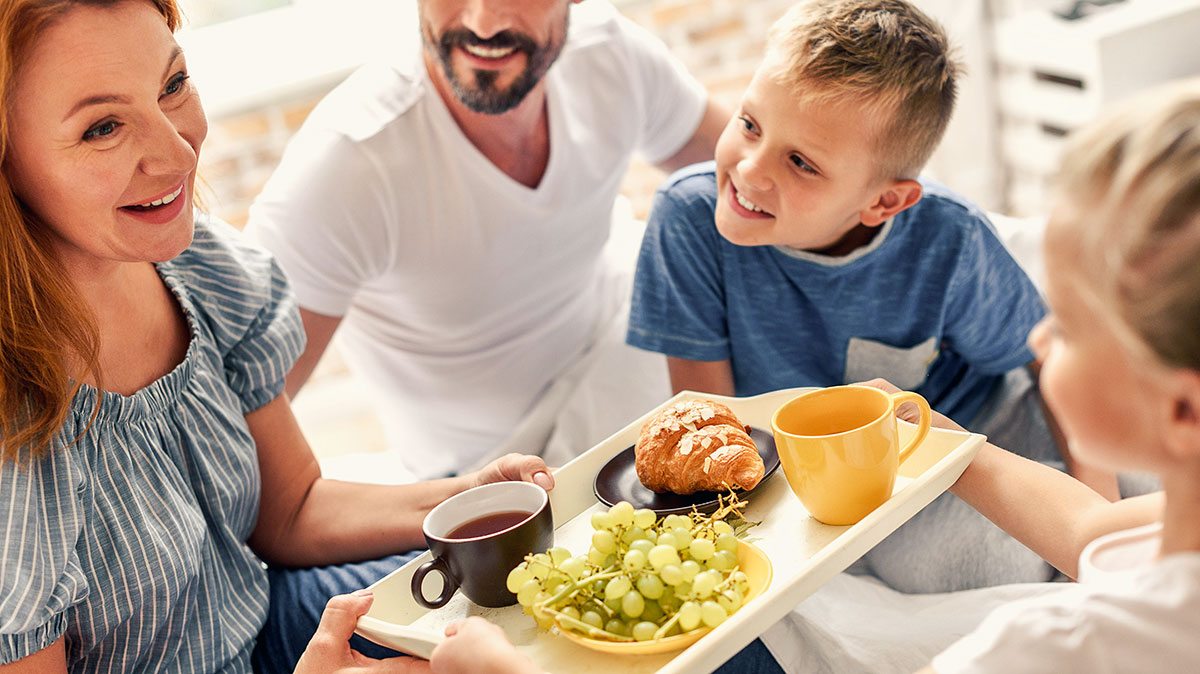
{"type": "Point", "coordinates": [642, 578]}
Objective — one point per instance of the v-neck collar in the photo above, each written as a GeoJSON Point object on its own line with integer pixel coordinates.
{"type": "Point", "coordinates": [480, 161]}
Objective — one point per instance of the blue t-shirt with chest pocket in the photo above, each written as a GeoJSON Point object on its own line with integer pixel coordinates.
{"type": "Point", "coordinates": [934, 303]}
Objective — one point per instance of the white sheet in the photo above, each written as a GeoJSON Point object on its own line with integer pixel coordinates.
{"type": "Point", "coordinates": [858, 624]}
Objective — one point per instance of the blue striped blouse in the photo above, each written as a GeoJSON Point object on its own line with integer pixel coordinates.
{"type": "Point", "coordinates": [131, 543]}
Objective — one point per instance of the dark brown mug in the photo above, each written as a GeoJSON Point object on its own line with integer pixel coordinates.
{"type": "Point", "coordinates": [478, 536]}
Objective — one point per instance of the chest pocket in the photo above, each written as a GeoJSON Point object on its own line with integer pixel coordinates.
{"type": "Point", "coordinates": [904, 367]}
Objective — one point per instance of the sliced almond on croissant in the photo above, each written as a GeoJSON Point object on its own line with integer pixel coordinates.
{"type": "Point", "coordinates": [697, 445]}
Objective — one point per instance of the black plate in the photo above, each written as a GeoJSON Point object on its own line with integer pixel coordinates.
{"type": "Point", "coordinates": [618, 481]}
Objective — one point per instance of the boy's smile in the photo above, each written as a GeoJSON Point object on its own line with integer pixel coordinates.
{"type": "Point", "coordinates": [798, 171]}
{"type": "Point", "coordinates": [743, 206]}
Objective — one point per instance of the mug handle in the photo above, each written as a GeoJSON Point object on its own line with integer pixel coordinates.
{"type": "Point", "coordinates": [449, 585]}
{"type": "Point", "coordinates": [899, 399]}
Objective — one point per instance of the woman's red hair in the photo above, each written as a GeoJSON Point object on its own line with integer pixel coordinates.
{"type": "Point", "coordinates": [49, 341]}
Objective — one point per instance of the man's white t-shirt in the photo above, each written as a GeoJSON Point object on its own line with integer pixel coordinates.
{"type": "Point", "coordinates": [464, 293]}
{"type": "Point", "coordinates": [1131, 612]}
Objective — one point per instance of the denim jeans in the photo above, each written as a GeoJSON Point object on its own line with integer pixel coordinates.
{"type": "Point", "coordinates": [298, 597]}
{"type": "Point", "coordinates": [753, 659]}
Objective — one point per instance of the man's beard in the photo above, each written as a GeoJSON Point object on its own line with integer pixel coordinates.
{"type": "Point", "coordinates": [484, 97]}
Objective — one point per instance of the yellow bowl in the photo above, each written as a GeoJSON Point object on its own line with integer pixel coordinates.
{"type": "Point", "coordinates": [752, 561]}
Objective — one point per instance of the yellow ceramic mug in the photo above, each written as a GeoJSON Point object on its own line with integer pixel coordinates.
{"type": "Point", "coordinates": [840, 449]}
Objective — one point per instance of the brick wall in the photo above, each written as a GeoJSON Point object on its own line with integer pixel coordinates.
{"type": "Point", "coordinates": [242, 151]}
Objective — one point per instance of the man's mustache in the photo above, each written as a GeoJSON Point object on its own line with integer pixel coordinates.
{"type": "Point", "coordinates": [461, 37]}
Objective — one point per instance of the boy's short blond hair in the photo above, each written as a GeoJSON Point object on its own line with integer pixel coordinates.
{"type": "Point", "coordinates": [886, 53]}
{"type": "Point", "coordinates": [1130, 185]}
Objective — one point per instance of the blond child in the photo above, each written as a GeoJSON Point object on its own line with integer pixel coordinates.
{"type": "Point", "coordinates": [1122, 374]}
{"type": "Point", "coordinates": [811, 254]}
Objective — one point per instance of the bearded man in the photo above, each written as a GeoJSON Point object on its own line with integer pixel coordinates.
{"type": "Point", "coordinates": [446, 216]}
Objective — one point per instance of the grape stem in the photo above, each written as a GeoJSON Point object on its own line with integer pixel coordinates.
{"type": "Point", "coordinates": [662, 631]}
{"type": "Point", "coordinates": [574, 586]}
{"type": "Point", "coordinates": [588, 630]}
{"type": "Point", "coordinates": [733, 506]}
{"type": "Point", "coordinates": [603, 608]}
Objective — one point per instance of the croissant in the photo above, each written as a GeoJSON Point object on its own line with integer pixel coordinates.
{"type": "Point", "coordinates": [696, 445]}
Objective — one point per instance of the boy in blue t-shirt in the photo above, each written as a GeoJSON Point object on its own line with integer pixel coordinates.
{"type": "Point", "coordinates": [810, 254]}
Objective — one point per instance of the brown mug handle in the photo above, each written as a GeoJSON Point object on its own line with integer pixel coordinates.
{"type": "Point", "coordinates": [449, 585]}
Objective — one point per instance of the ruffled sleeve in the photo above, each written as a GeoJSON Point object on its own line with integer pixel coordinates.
{"type": "Point", "coordinates": [244, 299]}
{"type": "Point", "coordinates": [41, 578]}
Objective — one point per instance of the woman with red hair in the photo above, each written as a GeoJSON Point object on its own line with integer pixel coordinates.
{"type": "Point", "coordinates": [149, 463]}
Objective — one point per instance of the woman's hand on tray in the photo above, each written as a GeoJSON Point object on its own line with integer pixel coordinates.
{"type": "Point", "coordinates": [329, 650]}
{"type": "Point", "coordinates": [515, 468]}
{"type": "Point", "coordinates": [476, 646]}
{"type": "Point", "coordinates": [908, 412]}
